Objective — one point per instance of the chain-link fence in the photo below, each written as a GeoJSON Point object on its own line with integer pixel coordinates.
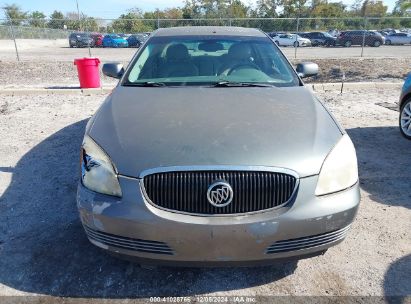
{"type": "Point", "coordinates": [63, 39]}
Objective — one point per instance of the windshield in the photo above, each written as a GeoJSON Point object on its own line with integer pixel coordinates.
{"type": "Point", "coordinates": [115, 37]}
{"type": "Point", "coordinates": [208, 60]}
{"type": "Point", "coordinates": [327, 35]}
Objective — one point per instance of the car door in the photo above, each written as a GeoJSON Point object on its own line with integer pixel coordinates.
{"type": "Point", "coordinates": [402, 38]}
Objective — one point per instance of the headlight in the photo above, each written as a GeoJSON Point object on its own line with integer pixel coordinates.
{"type": "Point", "coordinates": [97, 171]}
{"type": "Point", "coordinates": [339, 170]}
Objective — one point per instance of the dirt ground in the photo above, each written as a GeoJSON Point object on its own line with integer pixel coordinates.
{"type": "Point", "coordinates": [44, 251]}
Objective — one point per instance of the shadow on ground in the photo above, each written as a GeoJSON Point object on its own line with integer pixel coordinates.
{"type": "Point", "coordinates": [384, 161]}
{"type": "Point", "coordinates": [43, 248]}
{"type": "Point", "coordinates": [397, 281]}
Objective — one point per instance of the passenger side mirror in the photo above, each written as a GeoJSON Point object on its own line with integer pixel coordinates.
{"type": "Point", "coordinates": [114, 70]}
{"type": "Point", "coordinates": [307, 69]}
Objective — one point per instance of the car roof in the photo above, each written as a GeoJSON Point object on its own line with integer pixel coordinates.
{"type": "Point", "coordinates": [208, 30]}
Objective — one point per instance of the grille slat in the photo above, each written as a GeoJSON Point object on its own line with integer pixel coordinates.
{"type": "Point", "coordinates": [128, 243]}
{"type": "Point", "coordinates": [186, 191]}
{"type": "Point", "coordinates": [307, 242]}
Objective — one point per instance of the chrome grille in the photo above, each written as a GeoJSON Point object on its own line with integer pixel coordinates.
{"type": "Point", "coordinates": [308, 241]}
{"type": "Point", "coordinates": [186, 191]}
{"type": "Point", "coordinates": [128, 243]}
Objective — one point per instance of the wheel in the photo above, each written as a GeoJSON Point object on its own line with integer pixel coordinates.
{"type": "Point", "coordinates": [348, 43]}
{"type": "Point", "coordinates": [277, 42]}
{"type": "Point", "coordinates": [405, 119]}
{"type": "Point", "coordinates": [296, 44]}
{"type": "Point", "coordinates": [376, 43]}
{"type": "Point", "coordinates": [388, 42]}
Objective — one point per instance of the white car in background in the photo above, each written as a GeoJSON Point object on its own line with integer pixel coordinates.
{"type": "Point", "coordinates": [291, 40]}
{"type": "Point", "coordinates": [398, 38]}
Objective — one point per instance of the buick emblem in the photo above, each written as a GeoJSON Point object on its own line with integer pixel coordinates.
{"type": "Point", "coordinates": [220, 194]}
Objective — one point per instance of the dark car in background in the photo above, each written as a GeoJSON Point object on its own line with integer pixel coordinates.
{"type": "Point", "coordinates": [136, 40]}
{"type": "Point", "coordinates": [320, 38]}
{"type": "Point", "coordinates": [98, 39]}
{"type": "Point", "coordinates": [81, 40]}
{"type": "Point", "coordinates": [370, 38]}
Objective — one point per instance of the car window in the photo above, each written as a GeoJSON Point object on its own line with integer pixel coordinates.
{"type": "Point", "coordinates": [202, 60]}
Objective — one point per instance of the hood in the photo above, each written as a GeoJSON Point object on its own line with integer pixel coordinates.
{"type": "Point", "coordinates": [144, 128]}
{"type": "Point", "coordinates": [119, 40]}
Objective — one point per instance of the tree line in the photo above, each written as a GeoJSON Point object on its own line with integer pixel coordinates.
{"type": "Point", "coordinates": [228, 12]}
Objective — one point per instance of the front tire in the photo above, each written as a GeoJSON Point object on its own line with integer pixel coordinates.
{"type": "Point", "coordinates": [405, 119]}
{"type": "Point", "coordinates": [296, 44]}
{"type": "Point", "coordinates": [277, 42]}
{"type": "Point", "coordinates": [348, 43]}
{"type": "Point", "coordinates": [376, 43]}
{"type": "Point", "coordinates": [388, 42]}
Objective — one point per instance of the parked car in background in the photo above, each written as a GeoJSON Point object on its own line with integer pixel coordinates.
{"type": "Point", "coordinates": [123, 35]}
{"type": "Point", "coordinates": [320, 38]}
{"type": "Point", "coordinates": [114, 40]}
{"type": "Point", "coordinates": [349, 38]}
{"type": "Point", "coordinates": [80, 40]}
{"type": "Point", "coordinates": [98, 39]}
{"type": "Point", "coordinates": [291, 40]}
{"type": "Point", "coordinates": [334, 32]}
{"type": "Point", "coordinates": [405, 108]}
{"type": "Point", "coordinates": [136, 40]}
{"type": "Point", "coordinates": [398, 38]}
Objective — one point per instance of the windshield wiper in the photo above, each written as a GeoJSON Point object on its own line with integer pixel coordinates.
{"type": "Point", "coordinates": [239, 84]}
{"type": "Point", "coordinates": [146, 84]}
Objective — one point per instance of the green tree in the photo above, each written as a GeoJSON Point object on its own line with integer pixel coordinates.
{"type": "Point", "coordinates": [293, 8]}
{"type": "Point", "coordinates": [268, 8]}
{"type": "Point", "coordinates": [56, 20]}
{"type": "Point", "coordinates": [402, 7]}
{"type": "Point", "coordinates": [373, 8]}
{"type": "Point", "coordinates": [14, 14]}
{"type": "Point", "coordinates": [327, 10]}
{"type": "Point", "coordinates": [131, 22]}
{"type": "Point", "coordinates": [37, 19]}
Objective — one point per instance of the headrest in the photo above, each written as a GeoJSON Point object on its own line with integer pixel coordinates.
{"type": "Point", "coordinates": [240, 51]}
{"type": "Point", "coordinates": [177, 52]}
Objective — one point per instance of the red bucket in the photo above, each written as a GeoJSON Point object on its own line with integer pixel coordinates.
{"type": "Point", "coordinates": [88, 72]}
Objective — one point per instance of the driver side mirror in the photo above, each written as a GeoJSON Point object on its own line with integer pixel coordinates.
{"type": "Point", "coordinates": [114, 70]}
{"type": "Point", "coordinates": [307, 69]}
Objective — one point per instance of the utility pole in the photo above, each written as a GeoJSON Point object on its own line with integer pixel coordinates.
{"type": "Point", "coordinates": [78, 15]}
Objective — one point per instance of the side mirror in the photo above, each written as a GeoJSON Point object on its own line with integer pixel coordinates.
{"type": "Point", "coordinates": [114, 70]}
{"type": "Point", "coordinates": [307, 69]}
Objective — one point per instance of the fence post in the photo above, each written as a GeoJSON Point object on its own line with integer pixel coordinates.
{"type": "Point", "coordinates": [296, 39]}
{"type": "Point", "coordinates": [14, 39]}
{"type": "Point", "coordinates": [363, 36]}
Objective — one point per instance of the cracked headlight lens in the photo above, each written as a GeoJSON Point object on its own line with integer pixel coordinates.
{"type": "Point", "coordinates": [98, 173]}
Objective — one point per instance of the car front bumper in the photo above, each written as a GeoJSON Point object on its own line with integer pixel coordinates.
{"type": "Point", "coordinates": [132, 227]}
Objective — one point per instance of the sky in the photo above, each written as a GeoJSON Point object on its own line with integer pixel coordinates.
{"type": "Point", "coordinates": [112, 8]}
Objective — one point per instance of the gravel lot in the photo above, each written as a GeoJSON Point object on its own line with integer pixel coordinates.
{"type": "Point", "coordinates": [43, 249]}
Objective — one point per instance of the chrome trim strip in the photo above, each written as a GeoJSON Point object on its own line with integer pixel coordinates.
{"type": "Point", "coordinates": [217, 168]}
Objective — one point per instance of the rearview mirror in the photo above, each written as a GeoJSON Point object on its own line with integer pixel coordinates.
{"type": "Point", "coordinates": [307, 69]}
{"type": "Point", "coordinates": [114, 70]}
